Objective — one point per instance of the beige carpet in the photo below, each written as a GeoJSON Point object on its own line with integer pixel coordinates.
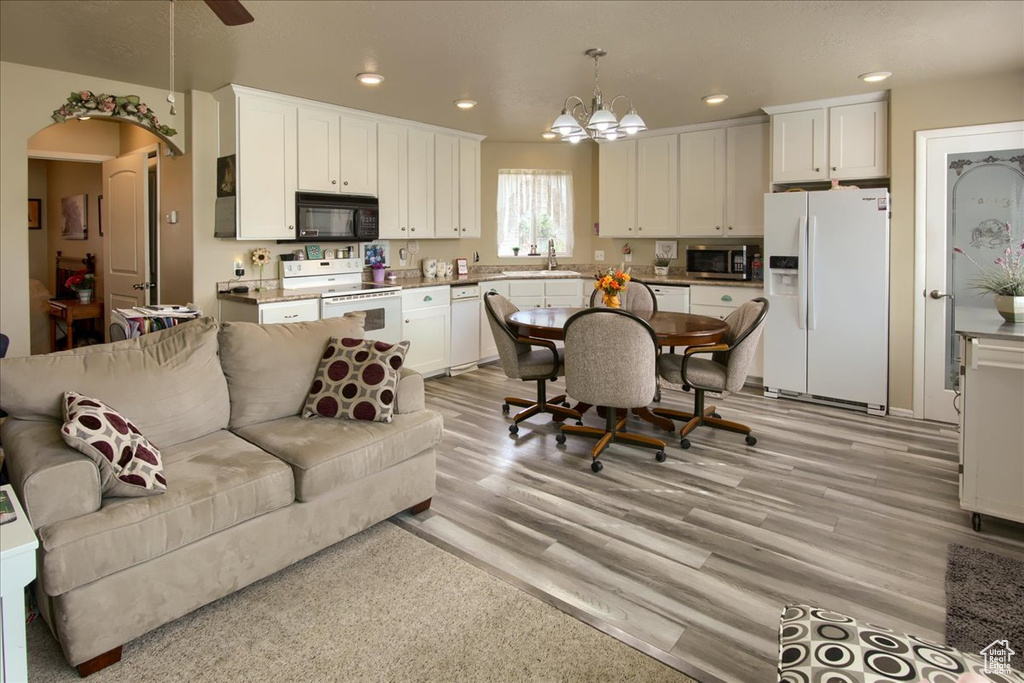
{"type": "Point", "coordinates": [383, 605]}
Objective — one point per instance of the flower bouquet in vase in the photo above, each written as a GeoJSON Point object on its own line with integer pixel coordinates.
{"type": "Point", "coordinates": [1005, 280]}
{"type": "Point", "coordinates": [378, 271]}
{"type": "Point", "coordinates": [611, 283]}
{"type": "Point", "coordinates": [260, 258]}
{"type": "Point", "coordinates": [82, 282]}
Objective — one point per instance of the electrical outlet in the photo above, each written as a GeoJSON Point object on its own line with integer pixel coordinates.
{"type": "Point", "coordinates": [629, 258]}
{"type": "Point", "coordinates": [599, 255]}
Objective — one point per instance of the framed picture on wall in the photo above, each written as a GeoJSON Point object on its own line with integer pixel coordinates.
{"type": "Point", "coordinates": [35, 214]}
{"type": "Point", "coordinates": [73, 213]}
{"type": "Point", "coordinates": [375, 252]}
{"type": "Point", "coordinates": [461, 266]}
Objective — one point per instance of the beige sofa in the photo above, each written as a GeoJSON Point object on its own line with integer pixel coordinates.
{"type": "Point", "coordinates": [251, 487]}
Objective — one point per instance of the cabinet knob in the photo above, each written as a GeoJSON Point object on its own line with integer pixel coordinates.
{"type": "Point", "coordinates": [412, 229]}
{"type": "Point", "coordinates": [291, 227]}
{"type": "Point", "coordinates": [406, 320]}
{"type": "Point", "coordinates": [639, 229]}
{"type": "Point", "coordinates": [463, 230]}
{"type": "Point", "coordinates": [296, 315]}
{"type": "Point", "coordinates": [403, 229]}
{"type": "Point", "coordinates": [817, 169]}
{"type": "Point", "coordinates": [334, 182]}
{"type": "Point", "coordinates": [346, 182]}
{"type": "Point", "coordinates": [718, 227]}
{"type": "Point", "coordinates": [730, 227]}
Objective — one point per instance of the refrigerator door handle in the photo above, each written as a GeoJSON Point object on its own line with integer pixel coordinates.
{"type": "Point", "coordinates": [802, 282]}
{"type": "Point", "coordinates": [812, 233]}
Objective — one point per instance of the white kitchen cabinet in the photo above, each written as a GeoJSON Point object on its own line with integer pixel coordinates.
{"type": "Point", "coordinates": [421, 183]}
{"type": "Point", "coordinates": [265, 168]}
{"type": "Point", "coordinates": [469, 188]}
{"type": "Point", "coordinates": [859, 140]}
{"type": "Point", "coordinates": [747, 179]}
{"type": "Point", "coordinates": [702, 183]}
{"type": "Point", "coordinates": [393, 180]}
{"type": "Point", "coordinates": [719, 301]}
{"type": "Point", "coordinates": [446, 185]}
{"type": "Point", "coordinates": [798, 146]}
{"type": "Point", "coordinates": [488, 347]}
{"type": "Point", "coordinates": [357, 140]}
{"type": "Point", "coordinates": [991, 429]}
{"type": "Point", "coordinates": [618, 187]}
{"type": "Point", "coordinates": [297, 311]}
{"type": "Point", "coordinates": [657, 187]}
{"type": "Point", "coordinates": [318, 158]}
{"type": "Point", "coordinates": [426, 324]}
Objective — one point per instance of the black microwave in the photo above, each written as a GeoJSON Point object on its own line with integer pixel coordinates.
{"type": "Point", "coordinates": [725, 262]}
{"type": "Point", "coordinates": [335, 218]}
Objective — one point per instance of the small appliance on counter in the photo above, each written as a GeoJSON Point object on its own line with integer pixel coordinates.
{"type": "Point", "coordinates": [720, 262]}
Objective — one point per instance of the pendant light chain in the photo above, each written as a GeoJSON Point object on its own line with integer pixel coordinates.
{"type": "Point", "coordinates": [170, 90]}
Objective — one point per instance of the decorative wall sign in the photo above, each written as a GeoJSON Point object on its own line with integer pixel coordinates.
{"type": "Point", "coordinates": [74, 214]}
{"type": "Point", "coordinates": [375, 252]}
{"type": "Point", "coordinates": [35, 213]}
{"type": "Point", "coordinates": [313, 252]}
{"type": "Point", "coordinates": [86, 103]}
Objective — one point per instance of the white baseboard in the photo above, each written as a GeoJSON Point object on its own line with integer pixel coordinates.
{"type": "Point", "coordinates": [901, 412]}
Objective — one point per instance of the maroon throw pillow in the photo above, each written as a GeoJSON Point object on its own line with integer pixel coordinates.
{"type": "Point", "coordinates": [357, 380]}
{"type": "Point", "coordinates": [130, 466]}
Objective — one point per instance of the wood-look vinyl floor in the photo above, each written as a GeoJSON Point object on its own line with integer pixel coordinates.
{"type": "Point", "coordinates": [691, 560]}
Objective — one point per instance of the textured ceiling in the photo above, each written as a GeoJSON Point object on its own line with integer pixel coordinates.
{"type": "Point", "coordinates": [521, 59]}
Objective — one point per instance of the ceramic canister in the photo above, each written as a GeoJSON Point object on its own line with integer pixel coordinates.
{"type": "Point", "coordinates": [429, 267]}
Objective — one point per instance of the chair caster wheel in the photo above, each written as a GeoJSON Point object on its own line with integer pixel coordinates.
{"type": "Point", "coordinates": [565, 404]}
{"type": "Point", "coordinates": [751, 440]}
{"type": "Point", "coordinates": [660, 456]}
{"type": "Point", "coordinates": [597, 466]}
{"type": "Point", "coordinates": [504, 408]}
{"type": "Point", "coordinates": [513, 429]}
{"type": "Point", "coordinates": [560, 438]}
{"type": "Point", "coordinates": [684, 443]}
{"type": "Point", "coordinates": [579, 423]}
{"type": "Point", "coordinates": [975, 520]}
{"type": "Point", "coordinates": [716, 415]}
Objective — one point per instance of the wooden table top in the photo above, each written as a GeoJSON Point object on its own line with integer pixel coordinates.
{"type": "Point", "coordinates": [672, 329]}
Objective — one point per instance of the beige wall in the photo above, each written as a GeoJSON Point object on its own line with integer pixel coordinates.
{"type": "Point", "coordinates": [94, 138]}
{"type": "Point", "coordinates": [28, 96]}
{"type": "Point", "coordinates": [65, 179]}
{"type": "Point", "coordinates": [37, 239]}
{"type": "Point", "coordinates": [992, 99]}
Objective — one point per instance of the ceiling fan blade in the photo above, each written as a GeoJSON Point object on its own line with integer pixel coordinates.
{"type": "Point", "coordinates": [231, 12]}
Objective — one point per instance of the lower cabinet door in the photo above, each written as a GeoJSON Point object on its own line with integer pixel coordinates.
{"type": "Point", "coordinates": [429, 332]}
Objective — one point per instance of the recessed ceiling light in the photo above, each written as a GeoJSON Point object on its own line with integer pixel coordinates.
{"type": "Point", "coordinates": [370, 78]}
{"type": "Point", "coordinates": [875, 76]}
{"type": "Point", "coordinates": [714, 99]}
{"type": "Point", "coordinates": [549, 135]}
{"type": "Point", "coordinates": [465, 104]}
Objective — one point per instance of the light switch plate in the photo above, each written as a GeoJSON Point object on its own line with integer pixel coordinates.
{"type": "Point", "coordinates": [599, 255]}
{"type": "Point", "coordinates": [629, 258]}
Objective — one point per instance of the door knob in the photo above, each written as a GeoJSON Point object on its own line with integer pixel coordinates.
{"type": "Point", "coordinates": [936, 294]}
{"type": "Point", "coordinates": [144, 285]}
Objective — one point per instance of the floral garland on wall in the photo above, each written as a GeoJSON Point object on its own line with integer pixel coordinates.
{"type": "Point", "coordinates": [87, 103]}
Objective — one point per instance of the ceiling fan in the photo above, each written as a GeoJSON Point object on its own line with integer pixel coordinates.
{"type": "Point", "coordinates": [231, 12]}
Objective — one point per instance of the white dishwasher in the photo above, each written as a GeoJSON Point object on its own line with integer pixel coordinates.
{"type": "Point", "coordinates": [672, 298]}
{"type": "Point", "coordinates": [465, 328]}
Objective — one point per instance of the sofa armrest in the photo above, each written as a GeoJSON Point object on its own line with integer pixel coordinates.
{"type": "Point", "coordinates": [52, 480]}
{"type": "Point", "coordinates": [410, 398]}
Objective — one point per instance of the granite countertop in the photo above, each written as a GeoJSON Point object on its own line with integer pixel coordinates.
{"type": "Point", "coordinates": [267, 296]}
{"type": "Point", "coordinates": [985, 322]}
{"type": "Point", "coordinates": [683, 280]}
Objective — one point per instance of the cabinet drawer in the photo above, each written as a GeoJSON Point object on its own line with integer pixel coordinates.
{"type": "Point", "coordinates": [499, 286]}
{"type": "Point", "coordinates": [562, 301]}
{"type": "Point", "coordinates": [720, 312]}
{"type": "Point", "coordinates": [290, 312]}
{"type": "Point", "coordinates": [526, 288]}
{"type": "Point", "coordinates": [715, 295]}
{"type": "Point", "coordinates": [524, 302]}
{"type": "Point", "coordinates": [563, 288]}
{"type": "Point", "coordinates": [425, 297]}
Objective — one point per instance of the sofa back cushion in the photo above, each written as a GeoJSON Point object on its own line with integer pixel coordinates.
{"type": "Point", "coordinates": [269, 368]}
{"type": "Point", "coordinates": [168, 383]}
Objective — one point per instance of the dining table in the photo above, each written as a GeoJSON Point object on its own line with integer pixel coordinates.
{"type": "Point", "coordinates": [670, 328]}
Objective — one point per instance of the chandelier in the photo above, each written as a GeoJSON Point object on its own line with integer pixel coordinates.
{"type": "Point", "coordinates": [599, 121]}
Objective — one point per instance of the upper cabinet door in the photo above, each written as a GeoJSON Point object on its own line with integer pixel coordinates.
{"type": "Point", "coordinates": [358, 155]}
{"type": "Point", "coordinates": [657, 186]}
{"type": "Point", "coordinates": [798, 146]}
{"type": "Point", "coordinates": [469, 188]}
{"type": "Point", "coordinates": [446, 185]}
{"type": "Point", "coordinates": [702, 183]}
{"type": "Point", "coordinates": [746, 179]}
{"type": "Point", "coordinates": [267, 169]}
{"type": "Point", "coordinates": [421, 184]}
{"type": "Point", "coordinates": [393, 180]}
{"type": "Point", "coordinates": [617, 184]}
{"type": "Point", "coordinates": [858, 140]}
{"type": "Point", "coordinates": [318, 161]}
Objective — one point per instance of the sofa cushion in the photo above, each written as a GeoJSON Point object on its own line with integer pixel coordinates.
{"type": "Point", "coordinates": [269, 368]}
{"type": "Point", "coordinates": [327, 454]}
{"type": "Point", "coordinates": [357, 380]}
{"type": "Point", "coordinates": [213, 482]}
{"type": "Point", "coordinates": [129, 464]}
{"type": "Point", "coordinates": [171, 380]}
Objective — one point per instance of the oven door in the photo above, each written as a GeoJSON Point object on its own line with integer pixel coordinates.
{"type": "Point", "coordinates": [383, 314]}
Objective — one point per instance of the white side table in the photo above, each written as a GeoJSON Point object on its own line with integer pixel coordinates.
{"type": "Point", "coordinates": [18, 545]}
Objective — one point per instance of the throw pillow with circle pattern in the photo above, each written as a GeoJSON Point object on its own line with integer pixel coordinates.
{"type": "Point", "coordinates": [130, 466]}
{"type": "Point", "coordinates": [357, 380]}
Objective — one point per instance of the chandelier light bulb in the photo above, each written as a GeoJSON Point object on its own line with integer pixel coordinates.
{"type": "Point", "coordinates": [611, 135]}
{"type": "Point", "coordinates": [602, 120]}
{"type": "Point", "coordinates": [565, 124]}
{"type": "Point", "coordinates": [631, 123]}
{"type": "Point", "coordinates": [576, 138]}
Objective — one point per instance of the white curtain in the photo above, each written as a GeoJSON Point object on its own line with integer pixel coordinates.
{"type": "Point", "coordinates": [534, 206]}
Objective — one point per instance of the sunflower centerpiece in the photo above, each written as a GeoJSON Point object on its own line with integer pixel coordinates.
{"type": "Point", "coordinates": [260, 258]}
{"type": "Point", "coordinates": [611, 283]}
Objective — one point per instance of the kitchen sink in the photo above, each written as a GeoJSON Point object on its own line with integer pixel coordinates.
{"type": "Point", "coordinates": [540, 273]}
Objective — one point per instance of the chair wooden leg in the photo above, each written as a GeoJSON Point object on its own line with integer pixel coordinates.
{"type": "Point", "coordinates": [529, 412]}
{"type": "Point", "coordinates": [519, 402]}
{"type": "Point", "coordinates": [582, 430]}
{"type": "Point", "coordinates": [602, 444]}
{"type": "Point", "coordinates": [689, 426]}
{"type": "Point", "coordinates": [719, 423]}
{"type": "Point", "coordinates": [639, 440]}
{"type": "Point", "coordinates": [561, 411]}
{"type": "Point", "coordinates": [91, 666]}
{"type": "Point", "coordinates": [672, 414]}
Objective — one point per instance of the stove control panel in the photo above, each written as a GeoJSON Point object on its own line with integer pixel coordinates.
{"type": "Point", "coordinates": [320, 267]}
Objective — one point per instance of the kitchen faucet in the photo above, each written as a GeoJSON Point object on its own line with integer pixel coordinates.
{"type": "Point", "coordinates": [552, 261]}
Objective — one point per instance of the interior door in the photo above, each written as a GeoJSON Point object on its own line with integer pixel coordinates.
{"type": "Point", "coordinates": [973, 187]}
{"type": "Point", "coordinates": [126, 227]}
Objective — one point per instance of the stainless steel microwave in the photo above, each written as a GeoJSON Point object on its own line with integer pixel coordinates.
{"type": "Point", "coordinates": [335, 218]}
{"type": "Point", "coordinates": [720, 262]}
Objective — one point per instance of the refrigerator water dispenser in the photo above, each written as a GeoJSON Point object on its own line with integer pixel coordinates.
{"type": "Point", "coordinates": [784, 276]}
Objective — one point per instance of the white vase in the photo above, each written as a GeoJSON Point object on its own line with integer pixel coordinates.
{"type": "Point", "coordinates": [1011, 308]}
{"type": "Point", "coordinates": [85, 296]}
{"type": "Point", "coordinates": [661, 270]}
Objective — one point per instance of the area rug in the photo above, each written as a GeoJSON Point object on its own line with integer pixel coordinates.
{"type": "Point", "coordinates": [383, 605]}
{"type": "Point", "coordinates": [984, 595]}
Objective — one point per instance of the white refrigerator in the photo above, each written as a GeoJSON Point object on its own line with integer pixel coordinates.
{"type": "Point", "coordinates": [826, 278]}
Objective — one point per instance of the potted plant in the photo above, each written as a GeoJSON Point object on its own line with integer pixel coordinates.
{"type": "Point", "coordinates": [378, 271]}
{"type": "Point", "coordinates": [611, 283]}
{"type": "Point", "coordinates": [1005, 281]}
{"type": "Point", "coordinates": [661, 265]}
{"type": "Point", "coordinates": [82, 282]}
{"type": "Point", "coordinates": [515, 251]}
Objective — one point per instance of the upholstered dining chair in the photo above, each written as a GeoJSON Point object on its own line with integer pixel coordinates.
{"type": "Point", "coordinates": [520, 360]}
{"type": "Point", "coordinates": [636, 298]}
{"type": "Point", "coordinates": [723, 373]}
{"type": "Point", "coordinates": [610, 360]}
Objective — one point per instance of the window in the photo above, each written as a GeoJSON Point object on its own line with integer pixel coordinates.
{"type": "Point", "coordinates": [533, 207]}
